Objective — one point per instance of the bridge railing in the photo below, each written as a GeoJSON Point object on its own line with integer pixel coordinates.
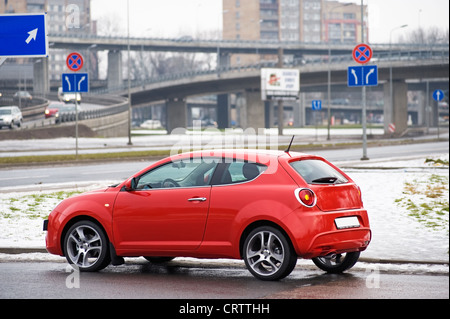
{"type": "Point", "coordinates": [218, 42]}
{"type": "Point", "coordinates": [402, 56]}
{"type": "Point", "coordinates": [113, 105]}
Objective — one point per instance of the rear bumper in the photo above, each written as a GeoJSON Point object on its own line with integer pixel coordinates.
{"type": "Point", "coordinates": [336, 242]}
{"type": "Point", "coordinates": [314, 233]}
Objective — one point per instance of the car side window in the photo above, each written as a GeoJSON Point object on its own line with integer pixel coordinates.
{"type": "Point", "coordinates": [239, 172]}
{"type": "Point", "coordinates": [183, 173]}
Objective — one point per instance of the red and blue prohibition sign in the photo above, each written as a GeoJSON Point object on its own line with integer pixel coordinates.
{"type": "Point", "coordinates": [74, 61]}
{"type": "Point", "coordinates": [362, 53]}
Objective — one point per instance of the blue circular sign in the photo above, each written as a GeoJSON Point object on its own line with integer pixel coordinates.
{"type": "Point", "coordinates": [438, 95]}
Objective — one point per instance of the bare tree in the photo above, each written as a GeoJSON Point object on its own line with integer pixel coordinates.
{"type": "Point", "coordinates": [429, 37]}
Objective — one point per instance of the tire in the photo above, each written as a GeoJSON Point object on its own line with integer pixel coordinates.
{"type": "Point", "coordinates": [268, 254]}
{"type": "Point", "coordinates": [337, 263]}
{"type": "Point", "coordinates": [158, 260]}
{"type": "Point", "coordinates": [86, 247]}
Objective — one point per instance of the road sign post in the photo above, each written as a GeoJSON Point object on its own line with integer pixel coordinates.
{"type": "Point", "coordinates": [316, 105]}
{"type": "Point", "coordinates": [23, 35]}
{"type": "Point", "coordinates": [75, 83]}
{"type": "Point", "coordinates": [362, 76]}
{"type": "Point", "coordinates": [438, 95]}
{"type": "Point", "coordinates": [366, 75]}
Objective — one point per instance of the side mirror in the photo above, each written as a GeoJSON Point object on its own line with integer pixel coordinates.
{"type": "Point", "coordinates": [131, 184]}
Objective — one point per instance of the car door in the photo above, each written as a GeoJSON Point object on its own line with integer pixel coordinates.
{"type": "Point", "coordinates": [166, 210]}
{"type": "Point", "coordinates": [232, 193]}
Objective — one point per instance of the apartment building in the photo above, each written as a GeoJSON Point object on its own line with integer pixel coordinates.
{"type": "Point", "coordinates": [291, 20]}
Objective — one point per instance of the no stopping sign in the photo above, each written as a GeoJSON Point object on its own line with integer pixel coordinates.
{"type": "Point", "coordinates": [74, 61]}
{"type": "Point", "coordinates": [362, 53]}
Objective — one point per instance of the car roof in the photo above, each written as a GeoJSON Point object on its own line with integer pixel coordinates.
{"type": "Point", "coordinates": [256, 155]}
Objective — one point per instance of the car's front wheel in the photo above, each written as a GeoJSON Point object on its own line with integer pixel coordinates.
{"type": "Point", "coordinates": [268, 254]}
{"type": "Point", "coordinates": [86, 246]}
{"type": "Point", "coordinates": [338, 263]}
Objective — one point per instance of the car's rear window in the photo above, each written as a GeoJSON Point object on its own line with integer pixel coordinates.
{"type": "Point", "coordinates": [316, 171]}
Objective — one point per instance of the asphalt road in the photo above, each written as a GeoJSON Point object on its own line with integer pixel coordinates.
{"type": "Point", "coordinates": [181, 280]}
{"type": "Point", "coordinates": [119, 171]}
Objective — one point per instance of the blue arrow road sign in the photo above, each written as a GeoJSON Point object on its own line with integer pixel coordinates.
{"type": "Point", "coordinates": [75, 82]}
{"type": "Point", "coordinates": [316, 105]}
{"type": "Point", "coordinates": [23, 35]}
{"type": "Point", "coordinates": [438, 95]}
{"type": "Point", "coordinates": [366, 75]}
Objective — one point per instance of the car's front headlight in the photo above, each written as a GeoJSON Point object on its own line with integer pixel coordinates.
{"type": "Point", "coordinates": [7, 119]}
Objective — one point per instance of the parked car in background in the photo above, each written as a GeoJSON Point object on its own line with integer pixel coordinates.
{"type": "Point", "coordinates": [10, 116]}
{"type": "Point", "coordinates": [265, 207]}
{"type": "Point", "coordinates": [151, 124]}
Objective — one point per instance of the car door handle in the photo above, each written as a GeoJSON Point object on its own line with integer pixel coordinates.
{"type": "Point", "coordinates": [197, 199]}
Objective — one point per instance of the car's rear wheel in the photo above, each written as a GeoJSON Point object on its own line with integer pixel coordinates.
{"type": "Point", "coordinates": [86, 246]}
{"type": "Point", "coordinates": [268, 254]}
{"type": "Point", "coordinates": [338, 263]}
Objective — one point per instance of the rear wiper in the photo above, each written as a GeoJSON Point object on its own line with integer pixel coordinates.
{"type": "Point", "coordinates": [325, 180]}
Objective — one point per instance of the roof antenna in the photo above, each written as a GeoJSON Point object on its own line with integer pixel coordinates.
{"type": "Point", "coordinates": [290, 144]}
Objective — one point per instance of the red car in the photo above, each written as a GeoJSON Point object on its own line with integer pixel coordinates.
{"type": "Point", "coordinates": [266, 207]}
{"type": "Point", "coordinates": [52, 109]}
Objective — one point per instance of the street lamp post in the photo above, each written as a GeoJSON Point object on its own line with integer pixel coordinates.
{"type": "Point", "coordinates": [329, 71]}
{"type": "Point", "coordinates": [129, 84]}
{"type": "Point", "coordinates": [391, 97]}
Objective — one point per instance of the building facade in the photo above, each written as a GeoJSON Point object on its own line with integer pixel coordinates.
{"type": "Point", "coordinates": [291, 20]}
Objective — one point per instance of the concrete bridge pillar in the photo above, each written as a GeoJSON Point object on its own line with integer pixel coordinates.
{"type": "Point", "coordinates": [176, 110]}
{"type": "Point", "coordinates": [223, 110]}
{"type": "Point", "coordinates": [397, 111]}
{"type": "Point", "coordinates": [223, 100]}
{"type": "Point", "coordinates": [115, 77]}
{"type": "Point", "coordinates": [254, 114]}
{"type": "Point", "coordinates": [421, 112]}
{"type": "Point", "coordinates": [40, 77]}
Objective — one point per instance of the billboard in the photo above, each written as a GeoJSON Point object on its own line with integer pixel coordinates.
{"type": "Point", "coordinates": [280, 84]}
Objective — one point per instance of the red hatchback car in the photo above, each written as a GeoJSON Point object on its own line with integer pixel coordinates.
{"type": "Point", "coordinates": [265, 207]}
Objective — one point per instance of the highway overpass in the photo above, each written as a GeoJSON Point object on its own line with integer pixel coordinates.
{"type": "Point", "coordinates": [409, 64]}
{"type": "Point", "coordinates": [174, 90]}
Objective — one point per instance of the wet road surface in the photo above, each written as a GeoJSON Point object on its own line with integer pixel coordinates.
{"type": "Point", "coordinates": [178, 280]}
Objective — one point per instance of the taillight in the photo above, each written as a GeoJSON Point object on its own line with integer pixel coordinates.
{"type": "Point", "coordinates": [306, 197]}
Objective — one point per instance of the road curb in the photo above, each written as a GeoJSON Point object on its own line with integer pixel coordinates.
{"type": "Point", "coordinates": [25, 250]}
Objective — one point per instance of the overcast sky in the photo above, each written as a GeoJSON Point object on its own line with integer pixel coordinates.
{"type": "Point", "coordinates": [175, 18]}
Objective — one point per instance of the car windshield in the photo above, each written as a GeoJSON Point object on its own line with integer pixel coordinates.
{"type": "Point", "coordinates": [5, 111]}
{"type": "Point", "coordinates": [318, 172]}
